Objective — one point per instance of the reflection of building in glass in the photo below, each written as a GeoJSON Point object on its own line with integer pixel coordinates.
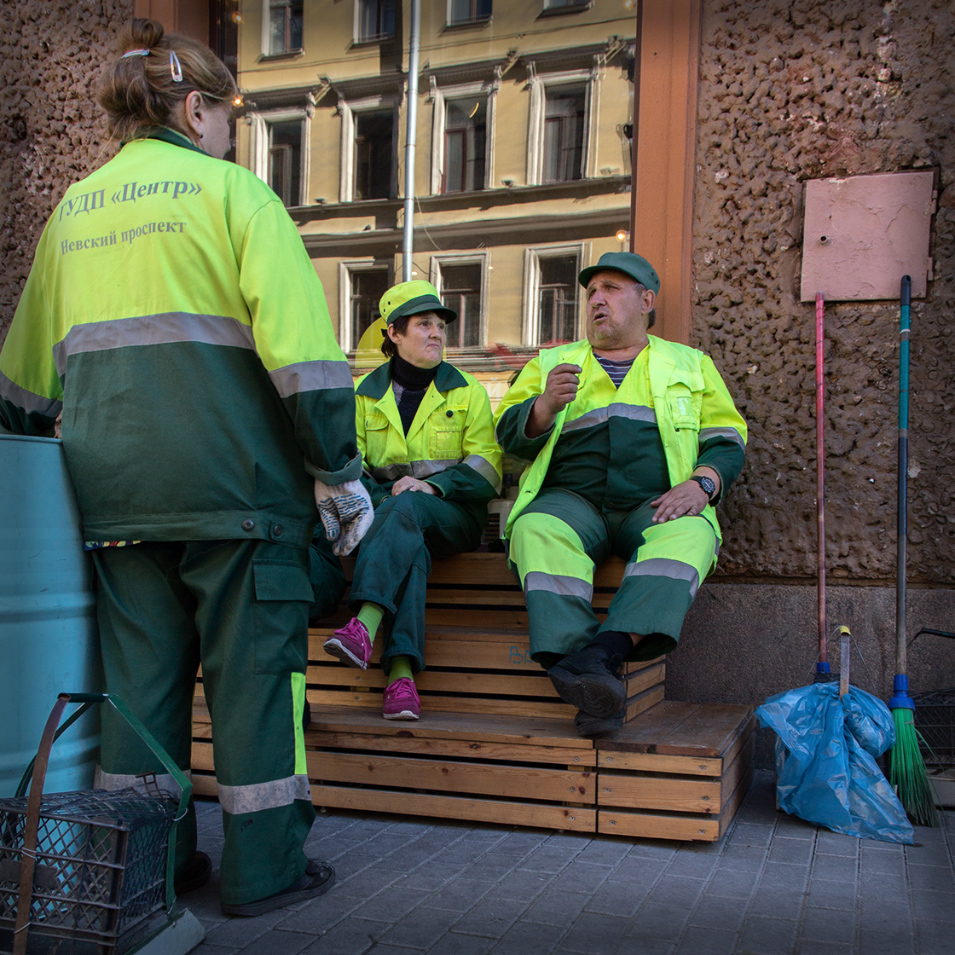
{"type": "Point", "coordinates": [522, 167]}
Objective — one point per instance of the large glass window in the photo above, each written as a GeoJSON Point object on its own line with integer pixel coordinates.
{"type": "Point", "coordinates": [366, 288]}
{"type": "Point", "coordinates": [376, 19]}
{"type": "Point", "coordinates": [465, 138]}
{"type": "Point", "coordinates": [374, 154]}
{"type": "Point", "coordinates": [285, 25]}
{"type": "Point", "coordinates": [461, 290]}
{"type": "Point", "coordinates": [563, 146]}
{"type": "Point", "coordinates": [557, 297]}
{"type": "Point", "coordinates": [285, 161]}
{"type": "Point", "coordinates": [467, 11]}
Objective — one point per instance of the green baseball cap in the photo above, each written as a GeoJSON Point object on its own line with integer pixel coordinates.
{"type": "Point", "coordinates": [413, 298]}
{"type": "Point", "coordinates": [636, 266]}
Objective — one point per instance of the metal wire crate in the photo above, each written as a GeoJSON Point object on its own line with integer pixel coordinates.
{"type": "Point", "coordinates": [88, 872]}
{"type": "Point", "coordinates": [935, 720]}
{"type": "Point", "coordinates": [100, 863]}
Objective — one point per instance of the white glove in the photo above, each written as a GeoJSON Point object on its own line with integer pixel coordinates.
{"type": "Point", "coordinates": [346, 513]}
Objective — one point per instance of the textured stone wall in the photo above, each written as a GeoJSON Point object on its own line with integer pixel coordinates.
{"type": "Point", "coordinates": [791, 91]}
{"type": "Point", "coordinates": [51, 133]}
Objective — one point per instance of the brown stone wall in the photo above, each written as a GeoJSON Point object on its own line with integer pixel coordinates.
{"type": "Point", "coordinates": [791, 91]}
{"type": "Point", "coordinates": [51, 131]}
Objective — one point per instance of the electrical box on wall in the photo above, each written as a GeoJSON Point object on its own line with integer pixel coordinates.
{"type": "Point", "coordinates": [863, 233]}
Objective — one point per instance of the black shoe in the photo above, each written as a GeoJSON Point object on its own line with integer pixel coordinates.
{"type": "Point", "coordinates": [318, 879]}
{"type": "Point", "coordinates": [592, 726]}
{"type": "Point", "coordinates": [195, 875]}
{"type": "Point", "coordinates": [591, 680]}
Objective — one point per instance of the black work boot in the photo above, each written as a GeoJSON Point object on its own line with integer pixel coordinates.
{"type": "Point", "coordinates": [593, 726]}
{"type": "Point", "coordinates": [592, 680]}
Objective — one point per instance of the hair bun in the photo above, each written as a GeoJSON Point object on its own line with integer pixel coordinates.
{"type": "Point", "coordinates": [142, 34]}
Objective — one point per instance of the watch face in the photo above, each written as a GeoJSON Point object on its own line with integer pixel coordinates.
{"type": "Point", "coordinates": [708, 484]}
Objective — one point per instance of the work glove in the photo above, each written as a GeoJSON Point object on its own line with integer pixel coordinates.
{"type": "Point", "coordinates": [346, 513]}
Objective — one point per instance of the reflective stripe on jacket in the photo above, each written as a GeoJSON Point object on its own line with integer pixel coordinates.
{"type": "Point", "coordinates": [450, 443]}
{"type": "Point", "coordinates": [690, 402]}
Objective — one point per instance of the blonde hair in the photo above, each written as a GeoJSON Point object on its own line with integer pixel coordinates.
{"type": "Point", "coordinates": [141, 90]}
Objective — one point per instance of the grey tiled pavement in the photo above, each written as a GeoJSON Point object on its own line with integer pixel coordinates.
{"type": "Point", "coordinates": [773, 886]}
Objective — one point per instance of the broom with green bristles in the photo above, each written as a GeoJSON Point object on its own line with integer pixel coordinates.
{"type": "Point", "coordinates": [907, 773]}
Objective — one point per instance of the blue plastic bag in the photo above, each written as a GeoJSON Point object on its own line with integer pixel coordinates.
{"type": "Point", "coordinates": [826, 771]}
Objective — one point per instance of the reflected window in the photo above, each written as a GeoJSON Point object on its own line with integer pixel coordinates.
{"type": "Point", "coordinates": [557, 298]}
{"type": "Point", "coordinates": [285, 161]}
{"type": "Point", "coordinates": [563, 146]}
{"type": "Point", "coordinates": [465, 144]}
{"type": "Point", "coordinates": [376, 20]}
{"type": "Point", "coordinates": [366, 288]}
{"type": "Point", "coordinates": [374, 154]}
{"type": "Point", "coordinates": [461, 290]}
{"type": "Point", "coordinates": [285, 26]}
{"type": "Point", "coordinates": [467, 11]}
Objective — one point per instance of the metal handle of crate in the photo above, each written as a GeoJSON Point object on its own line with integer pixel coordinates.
{"type": "Point", "coordinates": [35, 774]}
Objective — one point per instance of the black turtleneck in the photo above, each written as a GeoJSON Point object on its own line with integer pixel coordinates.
{"type": "Point", "coordinates": [409, 384]}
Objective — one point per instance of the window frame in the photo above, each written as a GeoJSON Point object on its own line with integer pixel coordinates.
{"type": "Point", "coordinates": [378, 37]}
{"type": "Point", "coordinates": [530, 331]}
{"type": "Point", "coordinates": [267, 50]}
{"type": "Point", "coordinates": [350, 110]}
{"type": "Point", "coordinates": [440, 97]}
{"type": "Point", "coordinates": [347, 268]}
{"type": "Point", "coordinates": [540, 85]}
{"type": "Point", "coordinates": [471, 20]}
{"type": "Point", "coordinates": [261, 145]}
{"type": "Point", "coordinates": [481, 259]}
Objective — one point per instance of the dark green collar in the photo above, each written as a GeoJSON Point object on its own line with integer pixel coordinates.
{"type": "Point", "coordinates": [376, 383]}
{"type": "Point", "coordinates": [167, 135]}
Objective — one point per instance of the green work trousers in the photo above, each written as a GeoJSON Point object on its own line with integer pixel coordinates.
{"type": "Point", "coordinates": [240, 608]}
{"type": "Point", "coordinates": [394, 561]}
{"type": "Point", "coordinates": [559, 539]}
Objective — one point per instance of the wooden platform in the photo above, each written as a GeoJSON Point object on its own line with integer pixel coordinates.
{"type": "Point", "coordinates": [496, 744]}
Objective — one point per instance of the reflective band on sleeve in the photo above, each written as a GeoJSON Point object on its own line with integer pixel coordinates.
{"type": "Point", "coordinates": [485, 469]}
{"type": "Point", "coordinates": [162, 329]}
{"type": "Point", "coordinates": [558, 584]}
{"type": "Point", "coordinates": [30, 402]}
{"type": "Point", "coordinates": [237, 800]}
{"type": "Point", "coordinates": [311, 376]}
{"type": "Point", "coordinates": [616, 409]}
{"type": "Point", "coordinates": [145, 783]}
{"type": "Point", "coordinates": [731, 433]}
{"type": "Point", "coordinates": [665, 567]}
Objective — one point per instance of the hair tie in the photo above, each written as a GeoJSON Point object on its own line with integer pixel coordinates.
{"type": "Point", "coordinates": [175, 67]}
{"type": "Point", "coordinates": [134, 53]}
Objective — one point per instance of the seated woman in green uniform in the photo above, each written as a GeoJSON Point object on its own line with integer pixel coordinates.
{"type": "Point", "coordinates": [431, 464]}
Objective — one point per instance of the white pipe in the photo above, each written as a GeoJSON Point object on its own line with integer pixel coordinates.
{"type": "Point", "coordinates": [408, 239]}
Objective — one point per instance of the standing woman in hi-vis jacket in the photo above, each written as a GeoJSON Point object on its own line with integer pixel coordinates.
{"type": "Point", "coordinates": [173, 317]}
{"type": "Point", "coordinates": [431, 465]}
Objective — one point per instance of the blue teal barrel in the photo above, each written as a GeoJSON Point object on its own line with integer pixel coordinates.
{"type": "Point", "coordinates": [48, 637]}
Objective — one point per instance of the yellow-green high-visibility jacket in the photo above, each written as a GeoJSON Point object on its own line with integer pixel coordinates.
{"type": "Point", "coordinates": [691, 406]}
{"type": "Point", "coordinates": [173, 315]}
{"type": "Point", "coordinates": [450, 443]}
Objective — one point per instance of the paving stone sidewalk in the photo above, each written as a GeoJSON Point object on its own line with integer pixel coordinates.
{"type": "Point", "coordinates": [773, 886]}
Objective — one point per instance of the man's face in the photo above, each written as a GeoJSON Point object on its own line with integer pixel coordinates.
{"type": "Point", "coordinates": [618, 310]}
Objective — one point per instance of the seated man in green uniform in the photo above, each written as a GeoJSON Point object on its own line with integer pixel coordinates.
{"type": "Point", "coordinates": [631, 441]}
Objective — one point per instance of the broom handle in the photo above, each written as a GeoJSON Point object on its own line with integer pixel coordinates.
{"type": "Point", "coordinates": [902, 530]}
{"type": "Point", "coordinates": [822, 665]}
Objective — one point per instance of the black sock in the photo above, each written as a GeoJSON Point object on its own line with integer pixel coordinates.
{"type": "Point", "coordinates": [618, 643]}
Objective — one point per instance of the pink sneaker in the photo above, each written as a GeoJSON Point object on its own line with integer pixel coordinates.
{"type": "Point", "coordinates": [350, 644]}
{"type": "Point", "coordinates": [401, 701]}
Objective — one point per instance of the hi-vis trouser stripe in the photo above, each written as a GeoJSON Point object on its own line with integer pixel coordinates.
{"type": "Point", "coordinates": [258, 796]}
{"type": "Point", "coordinates": [147, 783]}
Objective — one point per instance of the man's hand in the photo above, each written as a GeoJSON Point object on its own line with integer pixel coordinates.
{"type": "Point", "coordinates": [559, 391]}
{"type": "Point", "coordinates": [686, 498]}
{"type": "Point", "coordinates": [346, 513]}
{"type": "Point", "coordinates": [408, 483]}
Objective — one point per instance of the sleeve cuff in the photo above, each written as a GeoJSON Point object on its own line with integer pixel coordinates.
{"type": "Point", "coordinates": [351, 472]}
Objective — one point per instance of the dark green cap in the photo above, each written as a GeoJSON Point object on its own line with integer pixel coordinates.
{"type": "Point", "coordinates": [636, 266]}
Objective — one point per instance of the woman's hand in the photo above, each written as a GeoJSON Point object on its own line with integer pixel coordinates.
{"type": "Point", "coordinates": [687, 498]}
{"type": "Point", "coordinates": [410, 484]}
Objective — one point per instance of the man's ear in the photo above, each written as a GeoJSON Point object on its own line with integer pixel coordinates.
{"type": "Point", "coordinates": [649, 298]}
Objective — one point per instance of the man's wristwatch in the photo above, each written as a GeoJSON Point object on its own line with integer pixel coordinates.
{"type": "Point", "coordinates": [707, 483]}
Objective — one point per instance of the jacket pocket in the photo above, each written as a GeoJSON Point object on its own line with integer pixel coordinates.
{"type": "Point", "coordinates": [376, 440]}
{"type": "Point", "coordinates": [283, 594]}
{"type": "Point", "coordinates": [685, 399]}
{"type": "Point", "coordinates": [446, 434]}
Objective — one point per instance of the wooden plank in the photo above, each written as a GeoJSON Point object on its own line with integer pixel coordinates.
{"type": "Point", "coordinates": [205, 786]}
{"type": "Point", "coordinates": [638, 705]}
{"type": "Point", "coordinates": [515, 707]}
{"type": "Point", "coordinates": [654, 763]}
{"type": "Point", "coordinates": [638, 825]}
{"type": "Point", "coordinates": [693, 794]}
{"type": "Point", "coordinates": [732, 803]}
{"type": "Point", "coordinates": [453, 776]}
{"type": "Point", "coordinates": [457, 749]}
{"type": "Point", "coordinates": [498, 812]}
{"type": "Point", "coordinates": [446, 725]}
{"type": "Point", "coordinates": [737, 768]}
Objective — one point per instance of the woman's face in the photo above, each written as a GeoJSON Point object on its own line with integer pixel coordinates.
{"type": "Point", "coordinates": [217, 135]}
{"type": "Point", "coordinates": [422, 343]}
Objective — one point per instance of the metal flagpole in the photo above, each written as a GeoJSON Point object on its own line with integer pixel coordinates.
{"type": "Point", "coordinates": [408, 236]}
